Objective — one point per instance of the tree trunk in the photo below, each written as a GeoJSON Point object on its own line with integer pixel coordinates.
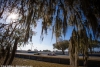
{"type": "Point", "coordinates": [7, 56]}
{"type": "Point", "coordinates": [71, 54]}
{"type": "Point", "coordinates": [63, 52]}
{"type": "Point", "coordinates": [76, 52]}
{"type": "Point", "coordinates": [83, 54]}
{"type": "Point", "coordinates": [13, 51]}
{"type": "Point", "coordinates": [76, 56]}
{"type": "Point", "coordinates": [86, 56]}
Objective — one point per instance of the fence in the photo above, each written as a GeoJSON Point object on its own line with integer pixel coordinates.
{"type": "Point", "coordinates": [91, 63]}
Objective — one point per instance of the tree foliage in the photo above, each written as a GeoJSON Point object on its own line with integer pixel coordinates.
{"type": "Point", "coordinates": [11, 36]}
{"type": "Point", "coordinates": [94, 44]}
{"type": "Point", "coordinates": [57, 14]}
{"type": "Point", "coordinates": [61, 45]}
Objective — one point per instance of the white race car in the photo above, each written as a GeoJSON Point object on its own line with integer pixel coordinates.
{"type": "Point", "coordinates": [51, 54]}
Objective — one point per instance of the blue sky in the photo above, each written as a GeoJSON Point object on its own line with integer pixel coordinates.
{"type": "Point", "coordinates": [37, 43]}
{"type": "Point", "coordinates": [47, 41]}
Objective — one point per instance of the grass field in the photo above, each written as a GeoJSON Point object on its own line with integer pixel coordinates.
{"type": "Point", "coordinates": [33, 63]}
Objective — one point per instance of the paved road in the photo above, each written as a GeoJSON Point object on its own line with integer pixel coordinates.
{"type": "Point", "coordinates": [61, 56]}
{"type": "Point", "coordinates": [43, 54]}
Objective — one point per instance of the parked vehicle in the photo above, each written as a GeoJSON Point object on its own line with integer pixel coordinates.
{"type": "Point", "coordinates": [51, 54]}
{"type": "Point", "coordinates": [36, 53]}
